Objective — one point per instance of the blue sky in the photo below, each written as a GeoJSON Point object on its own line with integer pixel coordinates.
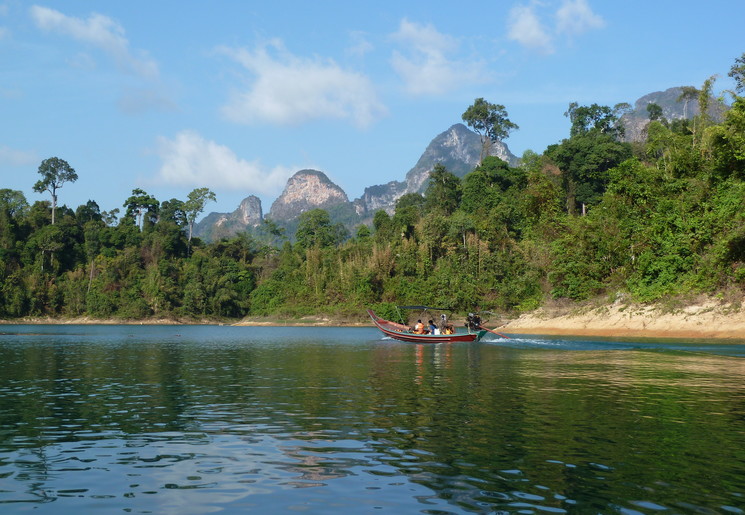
{"type": "Point", "coordinates": [237, 96]}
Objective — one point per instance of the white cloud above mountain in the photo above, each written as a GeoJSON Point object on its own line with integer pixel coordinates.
{"type": "Point", "coordinates": [102, 33]}
{"type": "Point", "coordinates": [191, 160]}
{"type": "Point", "coordinates": [424, 61]}
{"type": "Point", "coordinates": [536, 28]}
{"type": "Point", "coordinates": [286, 89]}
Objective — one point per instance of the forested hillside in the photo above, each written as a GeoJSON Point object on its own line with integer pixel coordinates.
{"type": "Point", "coordinates": [592, 215]}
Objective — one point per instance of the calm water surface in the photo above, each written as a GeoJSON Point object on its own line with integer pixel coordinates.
{"type": "Point", "coordinates": [202, 419]}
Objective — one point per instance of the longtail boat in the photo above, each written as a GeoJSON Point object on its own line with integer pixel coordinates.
{"type": "Point", "coordinates": [403, 332]}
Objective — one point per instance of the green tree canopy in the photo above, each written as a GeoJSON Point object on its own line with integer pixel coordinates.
{"type": "Point", "coordinates": [654, 111]}
{"type": "Point", "coordinates": [490, 121]}
{"type": "Point", "coordinates": [55, 172]}
{"type": "Point", "coordinates": [737, 72]}
{"type": "Point", "coordinates": [316, 230]}
{"type": "Point", "coordinates": [142, 208]}
{"type": "Point", "coordinates": [443, 191]}
{"type": "Point", "coordinates": [584, 161]}
{"type": "Point", "coordinates": [596, 118]}
{"type": "Point", "coordinates": [194, 206]}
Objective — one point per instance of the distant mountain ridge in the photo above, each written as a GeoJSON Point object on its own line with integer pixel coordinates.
{"type": "Point", "coordinates": [457, 148]}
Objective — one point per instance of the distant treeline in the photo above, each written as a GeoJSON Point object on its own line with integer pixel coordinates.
{"type": "Point", "coordinates": [592, 215]}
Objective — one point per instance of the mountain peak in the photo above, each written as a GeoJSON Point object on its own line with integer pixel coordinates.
{"type": "Point", "coordinates": [306, 190]}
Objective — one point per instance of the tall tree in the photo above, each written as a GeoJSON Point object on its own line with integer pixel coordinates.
{"type": "Point", "coordinates": [195, 205]}
{"type": "Point", "coordinates": [687, 94]}
{"type": "Point", "coordinates": [737, 72]}
{"type": "Point", "coordinates": [490, 121]}
{"type": "Point", "coordinates": [316, 230]}
{"type": "Point", "coordinates": [443, 192]}
{"type": "Point", "coordinates": [139, 204]}
{"type": "Point", "coordinates": [54, 172]}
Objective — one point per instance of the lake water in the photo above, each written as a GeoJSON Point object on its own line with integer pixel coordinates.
{"type": "Point", "coordinates": [204, 419]}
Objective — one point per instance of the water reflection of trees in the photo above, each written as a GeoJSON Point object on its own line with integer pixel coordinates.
{"type": "Point", "coordinates": [463, 420]}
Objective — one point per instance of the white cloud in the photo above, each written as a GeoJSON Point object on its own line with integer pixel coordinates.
{"type": "Point", "coordinates": [289, 90]}
{"type": "Point", "coordinates": [13, 157]}
{"type": "Point", "coordinates": [100, 31]}
{"type": "Point", "coordinates": [575, 17]}
{"type": "Point", "coordinates": [426, 68]}
{"type": "Point", "coordinates": [191, 160]}
{"type": "Point", "coordinates": [572, 18]}
{"type": "Point", "coordinates": [527, 29]}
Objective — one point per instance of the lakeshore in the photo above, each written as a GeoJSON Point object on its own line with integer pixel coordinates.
{"type": "Point", "coordinates": [705, 319]}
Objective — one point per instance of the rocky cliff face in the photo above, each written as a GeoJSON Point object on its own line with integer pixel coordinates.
{"type": "Point", "coordinates": [458, 149]}
{"type": "Point", "coordinates": [306, 190]}
{"type": "Point", "coordinates": [224, 225]}
{"type": "Point", "coordinates": [635, 122]}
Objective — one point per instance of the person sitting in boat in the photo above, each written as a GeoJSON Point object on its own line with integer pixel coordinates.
{"type": "Point", "coordinates": [433, 328]}
{"type": "Point", "coordinates": [419, 328]}
{"type": "Point", "coordinates": [448, 329]}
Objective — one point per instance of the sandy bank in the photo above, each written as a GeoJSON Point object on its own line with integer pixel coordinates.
{"type": "Point", "coordinates": [704, 319]}
{"type": "Point", "coordinates": [708, 319]}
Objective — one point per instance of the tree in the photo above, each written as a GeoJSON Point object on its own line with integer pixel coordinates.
{"type": "Point", "coordinates": [490, 121]}
{"type": "Point", "coordinates": [13, 202]}
{"type": "Point", "coordinates": [596, 118]}
{"type": "Point", "coordinates": [584, 161]}
{"type": "Point", "coordinates": [194, 206]}
{"type": "Point", "coordinates": [315, 229]}
{"type": "Point", "coordinates": [88, 212]}
{"type": "Point", "coordinates": [54, 172]}
{"type": "Point", "coordinates": [737, 72]}
{"type": "Point", "coordinates": [443, 191]}
{"type": "Point", "coordinates": [654, 111]}
{"type": "Point", "coordinates": [687, 94]}
{"type": "Point", "coordinates": [139, 204]}
{"type": "Point", "coordinates": [13, 205]}
{"type": "Point", "coordinates": [173, 211]}
{"type": "Point", "coordinates": [408, 212]}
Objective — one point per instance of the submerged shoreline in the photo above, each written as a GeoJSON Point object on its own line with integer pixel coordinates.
{"type": "Point", "coordinates": [705, 320]}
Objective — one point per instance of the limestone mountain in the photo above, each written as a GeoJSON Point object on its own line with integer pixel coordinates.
{"type": "Point", "coordinates": [673, 108]}
{"type": "Point", "coordinates": [457, 148]}
{"type": "Point", "coordinates": [306, 190]}
{"type": "Point", "coordinates": [216, 226]}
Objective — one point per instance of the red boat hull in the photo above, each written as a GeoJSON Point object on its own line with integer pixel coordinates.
{"type": "Point", "coordinates": [400, 332]}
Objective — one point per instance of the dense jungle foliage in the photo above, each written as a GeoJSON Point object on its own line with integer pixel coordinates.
{"type": "Point", "coordinates": [591, 216]}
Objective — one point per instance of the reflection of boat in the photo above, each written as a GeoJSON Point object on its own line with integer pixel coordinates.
{"type": "Point", "coordinates": [403, 333]}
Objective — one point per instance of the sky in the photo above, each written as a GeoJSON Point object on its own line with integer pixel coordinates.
{"type": "Point", "coordinates": [238, 95]}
